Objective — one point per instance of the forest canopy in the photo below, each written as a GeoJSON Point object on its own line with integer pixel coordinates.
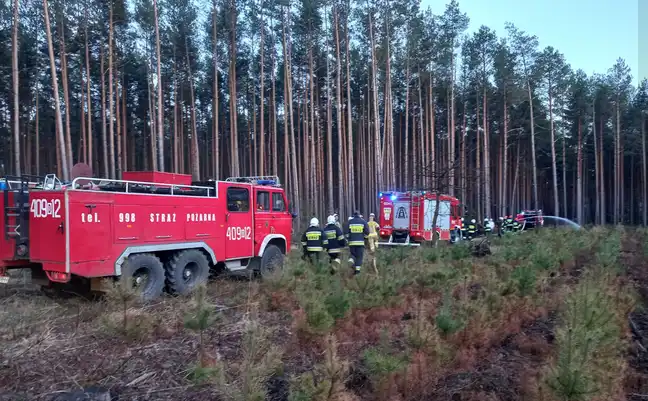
{"type": "Point", "coordinates": [340, 99]}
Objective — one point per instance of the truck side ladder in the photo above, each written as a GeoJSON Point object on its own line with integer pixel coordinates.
{"type": "Point", "coordinates": [16, 212]}
{"type": "Point", "coordinates": [415, 213]}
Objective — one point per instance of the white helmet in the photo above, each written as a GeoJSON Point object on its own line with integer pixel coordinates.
{"type": "Point", "coordinates": [314, 222]}
{"type": "Point", "coordinates": [462, 219]}
{"type": "Point", "coordinates": [350, 217]}
{"type": "Point", "coordinates": [473, 221]}
{"type": "Point", "coordinates": [330, 220]}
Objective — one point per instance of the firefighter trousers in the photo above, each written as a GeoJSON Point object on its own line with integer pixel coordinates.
{"type": "Point", "coordinates": [334, 257]}
{"type": "Point", "coordinates": [312, 257]}
{"type": "Point", "coordinates": [357, 254]}
{"type": "Point", "coordinates": [373, 242]}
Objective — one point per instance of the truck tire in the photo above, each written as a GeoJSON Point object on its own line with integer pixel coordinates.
{"type": "Point", "coordinates": [271, 259]}
{"type": "Point", "coordinates": [186, 270]}
{"type": "Point", "coordinates": [145, 264]}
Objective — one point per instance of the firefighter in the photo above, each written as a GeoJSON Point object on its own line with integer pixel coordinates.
{"type": "Point", "coordinates": [500, 226]}
{"type": "Point", "coordinates": [337, 220]}
{"type": "Point", "coordinates": [472, 229]}
{"type": "Point", "coordinates": [356, 233]}
{"type": "Point", "coordinates": [336, 240]}
{"type": "Point", "coordinates": [373, 232]}
{"type": "Point", "coordinates": [314, 241]}
{"type": "Point", "coordinates": [508, 223]}
{"type": "Point", "coordinates": [463, 229]}
{"type": "Point", "coordinates": [515, 226]}
{"type": "Point", "coordinates": [487, 227]}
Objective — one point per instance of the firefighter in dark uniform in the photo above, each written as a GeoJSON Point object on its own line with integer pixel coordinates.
{"type": "Point", "coordinates": [472, 229]}
{"type": "Point", "coordinates": [356, 233]}
{"type": "Point", "coordinates": [336, 240]}
{"type": "Point", "coordinates": [314, 241]}
{"type": "Point", "coordinates": [515, 226]}
{"type": "Point", "coordinates": [508, 223]}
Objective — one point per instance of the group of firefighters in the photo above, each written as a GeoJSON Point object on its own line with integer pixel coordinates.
{"type": "Point", "coordinates": [472, 229]}
{"type": "Point", "coordinates": [333, 238]}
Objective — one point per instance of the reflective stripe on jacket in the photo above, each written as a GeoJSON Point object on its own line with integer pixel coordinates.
{"type": "Point", "coordinates": [357, 231]}
{"type": "Point", "coordinates": [335, 238]}
{"type": "Point", "coordinates": [314, 239]}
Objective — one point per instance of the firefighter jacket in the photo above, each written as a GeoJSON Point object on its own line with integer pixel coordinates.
{"type": "Point", "coordinates": [357, 231]}
{"type": "Point", "coordinates": [508, 223]}
{"type": "Point", "coordinates": [314, 240]}
{"type": "Point", "coordinates": [335, 238]}
{"type": "Point", "coordinates": [373, 228]}
{"type": "Point", "coordinates": [487, 227]}
{"type": "Point", "coordinates": [472, 228]}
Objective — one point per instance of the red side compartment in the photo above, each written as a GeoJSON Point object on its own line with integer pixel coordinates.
{"type": "Point", "coordinates": [47, 229]}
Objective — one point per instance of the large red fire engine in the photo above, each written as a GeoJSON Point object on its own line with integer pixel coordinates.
{"type": "Point", "coordinates": [406, 218]}
{"type": "Point", "coordinates": [159, 229]}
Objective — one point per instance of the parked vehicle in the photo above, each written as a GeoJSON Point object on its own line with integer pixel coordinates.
{"type": "Point", "coordinates": [161, 230]}
{"type": "Point", "coordinates": [407, 218]}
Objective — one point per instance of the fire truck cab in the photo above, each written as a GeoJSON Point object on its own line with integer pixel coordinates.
{"type": "Point", "coordinates": [160, 230]}
{"type": "Point", "coordinates": [407, 218]}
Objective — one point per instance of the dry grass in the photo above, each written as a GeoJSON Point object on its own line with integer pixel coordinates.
{"type": "Point", "coordinates": [428, 324]}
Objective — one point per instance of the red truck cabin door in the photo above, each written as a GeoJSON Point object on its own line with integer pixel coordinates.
{"type": "Point", "coordinates": [239, 232]}
{"type": "Point", "coordinates": [271, 215]}
{"type": "Point", "coordinates": [262, 214]}
{"type": "Point", "coordinates": [281, 222]}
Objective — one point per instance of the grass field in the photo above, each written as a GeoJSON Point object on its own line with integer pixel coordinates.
{"type": "Point", "coordinates": [551, 315]}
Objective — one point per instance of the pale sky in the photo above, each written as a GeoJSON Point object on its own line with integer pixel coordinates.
{"type": "Point", "coordinates": [591, 34]}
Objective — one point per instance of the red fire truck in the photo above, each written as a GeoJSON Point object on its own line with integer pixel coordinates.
{"type": "Point", "coordinates": [160, 229]}
{"type": "Point", "coordinates": [406, 218]}
{"type": "Point", "coordinates": [529, 219]}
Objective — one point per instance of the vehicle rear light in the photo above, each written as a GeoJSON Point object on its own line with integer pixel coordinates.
{"type": "Point", "coordinates": [58, 276]}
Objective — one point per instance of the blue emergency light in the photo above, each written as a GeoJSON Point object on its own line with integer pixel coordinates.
{"type": "Point", "coordinates": [266, 182]}
{"type": "Point", "coordinates": [393, 197]}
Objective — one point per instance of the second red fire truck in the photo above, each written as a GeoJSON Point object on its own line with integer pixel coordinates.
{"type": "Point", "coordinates": [161, 230]}
{"type": "Point", "coordinates": [407, 218]}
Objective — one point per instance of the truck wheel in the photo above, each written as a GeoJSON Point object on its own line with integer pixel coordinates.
{"type": "Point", "coordinates": [147, 275]}
{"type": "Point", "coordinates": [272, 258]}
{"type": "Point", "coordinates": [186, 270]}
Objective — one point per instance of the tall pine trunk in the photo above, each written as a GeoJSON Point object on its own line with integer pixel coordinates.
{"type": "Point", "coordinates": [160, 106]}
{"type": "Point", "coordinates": [111, 129]}
{"type": "Point", "coordinates": [57, 103]}
{"type": "Point", "coordinates": [16, 88]}
{"type": "Point", "coordinates": [215, 107]}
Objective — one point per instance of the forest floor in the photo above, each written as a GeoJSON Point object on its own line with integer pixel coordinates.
{"type": "Point", "coordinates": [551, 315]}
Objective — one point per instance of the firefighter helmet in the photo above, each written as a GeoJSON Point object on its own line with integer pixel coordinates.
{"type": "Point", "coordinates": [314, 222]}
{"type": "Point", "coordinates": [473, 221]}
{"type": "Point", "coordinates": [330, 220]}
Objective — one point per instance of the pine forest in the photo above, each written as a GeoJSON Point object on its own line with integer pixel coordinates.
{"type": "Point", "coordinates": [339, 99]}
